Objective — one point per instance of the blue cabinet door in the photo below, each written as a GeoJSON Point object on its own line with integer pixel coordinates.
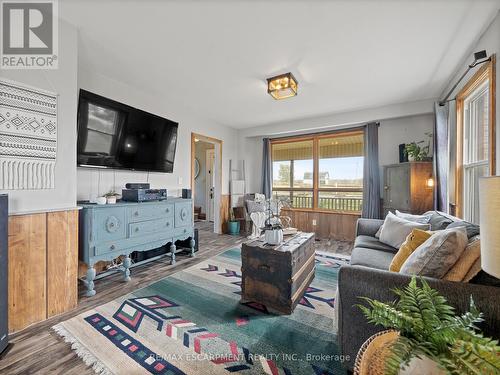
{"type": "Point", "coordinates": [110, 224]}
{"type": "Point", "coordinates": [183, 214]}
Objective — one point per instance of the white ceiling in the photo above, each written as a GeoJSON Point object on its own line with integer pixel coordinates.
{"type": "Point", "coordinates": [214, 56]}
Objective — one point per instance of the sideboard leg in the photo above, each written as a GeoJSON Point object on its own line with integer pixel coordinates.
{"type": "Point", "coordinates": [90, 281]}
{"type": "Point", "coordinates": [126, 265]}
{"type": "Point", "coordinates": [192, 244]}
{"type": "Point", "coordinates": [172, 254]}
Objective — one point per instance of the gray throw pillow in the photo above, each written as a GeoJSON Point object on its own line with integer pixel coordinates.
{"type": "Point", "coordinates": [437, 255]}
{"type": "Point", "coordinates": [395, 230]}
{"type": "Point", "coordinates": [472, 229]}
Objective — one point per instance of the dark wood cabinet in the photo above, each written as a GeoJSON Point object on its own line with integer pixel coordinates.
{"type": "Point", "coordinates": [406, 188]}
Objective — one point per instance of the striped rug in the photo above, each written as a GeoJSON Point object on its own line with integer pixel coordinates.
{"type": "Point", "coordinates": [192, 322]}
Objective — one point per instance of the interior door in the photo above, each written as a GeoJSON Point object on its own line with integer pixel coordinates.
{"type": "Point", "coordinates": [210, 184]}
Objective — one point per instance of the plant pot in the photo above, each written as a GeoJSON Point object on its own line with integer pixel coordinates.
{"type": "Point", "coordinates": [101, 200]}
{"type": "Point", "coordinates": [411, 158]}
{"type": "Point", "coordinates": [233, 227]}
{"type": "Point", "coordinates": [273, 236]}
{"type": "Point", "coordinates": [419, 366]}
{"type": "Point", "coordinates": [111, 200]}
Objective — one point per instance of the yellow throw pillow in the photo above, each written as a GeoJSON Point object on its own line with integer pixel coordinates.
{"type": "Point", "coordinates": [416, 238]}
{"type": "Point", "coordinates": [464, 264]}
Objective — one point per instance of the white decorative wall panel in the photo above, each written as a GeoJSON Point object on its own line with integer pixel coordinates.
{"type": "Point", "coordinates": [28, 137]}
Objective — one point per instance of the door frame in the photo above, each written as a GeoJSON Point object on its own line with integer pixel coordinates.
{"type": "Point", "coordinates": [208, 184]}
{"type": "Point", "coordinates": [218, 176]}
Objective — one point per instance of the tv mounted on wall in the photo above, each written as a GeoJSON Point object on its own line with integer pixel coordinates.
{"type": "Point", "coordinates": [115, 135]}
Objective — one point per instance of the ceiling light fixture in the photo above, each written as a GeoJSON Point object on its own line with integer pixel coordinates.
{"type": "Point", "coordinates": [282, 86]}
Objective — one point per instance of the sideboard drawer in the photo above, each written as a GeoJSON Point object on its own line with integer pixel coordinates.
{"type": "Point", "coordinates": [150, 211]}
{"type": "Point", "coordinates": [151, 226]}
{"type": "Point", "coordinates": [183, 214]}
{"type": "Point", "coordinates": [110, 224]}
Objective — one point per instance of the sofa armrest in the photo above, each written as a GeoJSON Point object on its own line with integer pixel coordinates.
{"type": "Point", "coordinates": [368, 227]}
{"type": "Point", "coordinates": [357, 281]}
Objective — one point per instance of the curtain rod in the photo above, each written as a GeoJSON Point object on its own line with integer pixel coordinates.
{"type": "Point", "coordinates": [480, 55]}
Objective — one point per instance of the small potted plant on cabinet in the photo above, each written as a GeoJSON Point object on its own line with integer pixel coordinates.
{"type": "Point", "coordinates": [111, 197]}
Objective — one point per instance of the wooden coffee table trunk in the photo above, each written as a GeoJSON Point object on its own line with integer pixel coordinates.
{"type": "Point", "coordinates": [278, 276]}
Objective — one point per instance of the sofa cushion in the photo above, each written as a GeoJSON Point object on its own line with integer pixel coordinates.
{"type": "Point", "coordinates": [369, 242]}
{"type": "Point", "coordinates": [439, 221]}
{"type": "Point", "coordinates": [395, 230]}
{"type": "Point", "coordinates": [372, 258]}
{"type": "Point", "coordinates": [472, 229]}
{"type": "Point", "coordinates": [416, 238]}
{"type": "Point", "coordinates": [463, 265]}
{"type": "Point", "coordinates": [438, 254]}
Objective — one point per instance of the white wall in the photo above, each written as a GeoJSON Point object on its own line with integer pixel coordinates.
{"type": "Point", "coordinates": [63, 81]}
{"type": "Point", "coordinates": [392, 132]}
{"type": "Point", "coordinates": [92, 183]}
{"type": "Point", "coordinates": [490, 41]}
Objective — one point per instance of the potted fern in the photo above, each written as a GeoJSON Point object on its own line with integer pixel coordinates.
{"type": "Point", "coordinates": [431, 333]}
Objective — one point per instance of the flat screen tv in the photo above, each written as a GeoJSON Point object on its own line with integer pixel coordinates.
{"type": "Point", "coordinates": [115, 135]}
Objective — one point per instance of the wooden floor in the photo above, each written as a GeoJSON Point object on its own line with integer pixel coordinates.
{"type": "Point", "coordinates": [39, 350]}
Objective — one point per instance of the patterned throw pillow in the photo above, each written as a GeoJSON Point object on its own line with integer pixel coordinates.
{"type": "Point", "coordinates": [437, 255]}
{"type": "Point", "coordinates": [464, 264]}
{"type": "Point", "coordinates": [253, 206]}
{"type": "Point", "coordinates": [416, 238]}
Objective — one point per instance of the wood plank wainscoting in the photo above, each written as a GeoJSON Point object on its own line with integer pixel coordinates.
{"type": "Point", "coordinates": [339, 226]}
{"type": "Point", "coordinates": [43, 266]}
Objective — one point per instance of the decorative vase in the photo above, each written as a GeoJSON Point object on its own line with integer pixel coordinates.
{"type": "Point", "coordinates": [273, 236]}
{"type": "Point", "coordinates": [233, 227]}
{"type": "Point", "coordinates": [100, 200]}
{"type": "Point", "coordinates": [111, 199]}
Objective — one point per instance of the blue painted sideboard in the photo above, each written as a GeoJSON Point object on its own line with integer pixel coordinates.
{"type": "Point", "coordinates": [110, 231]}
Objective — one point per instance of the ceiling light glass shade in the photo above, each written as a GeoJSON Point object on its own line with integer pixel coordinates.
{"type": "Point", "coordinates": [282, 86]}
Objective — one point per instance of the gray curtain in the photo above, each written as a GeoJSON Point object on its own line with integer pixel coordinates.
{"type": "Point", "coordinates": [441, 157]}
{"type": "Point", "coordinates": [371, 173]}
{"type": "Point", "coordinates": [266, 168]}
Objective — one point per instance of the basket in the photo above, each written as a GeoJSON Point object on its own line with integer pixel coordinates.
{"type": "Point", "coordinates": [372, 354]}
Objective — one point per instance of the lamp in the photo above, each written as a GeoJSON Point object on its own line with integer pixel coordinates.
{"type": "Point", "coordinates": [429, 182]}
{"type": "Point", "coordinates": [282, 86]}
{"type": "Point", "coordinates": [489, 214]}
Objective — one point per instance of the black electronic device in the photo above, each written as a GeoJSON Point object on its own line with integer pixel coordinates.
{"type": "Point", "coordinates": [186, 193]}
{"type": "Point", "coordinates": [116, 135]}
{"type": "Point", "coordinates": [138, 185]}
{"type": "Point", "coordinates": [143, 195]}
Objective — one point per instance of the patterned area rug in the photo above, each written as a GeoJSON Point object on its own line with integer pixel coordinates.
{"type": "Point", "coordinates": [193, 323]}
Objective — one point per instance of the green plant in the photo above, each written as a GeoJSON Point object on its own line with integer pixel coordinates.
{"type": "Point", "coordinates": [428, 327]}
{"type": "Point", "coordinates": [111, 193]}
{"type": "Point", "coordinates": [418, 152]}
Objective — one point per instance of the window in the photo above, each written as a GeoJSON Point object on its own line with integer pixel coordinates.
{"type": "Point", "coordinates": [320, 172]}
{"type": "Point", "coordinates": [475, 140]}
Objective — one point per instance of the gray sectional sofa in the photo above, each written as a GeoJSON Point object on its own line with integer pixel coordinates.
{"type": "Point", "coordinates": [368, 276]}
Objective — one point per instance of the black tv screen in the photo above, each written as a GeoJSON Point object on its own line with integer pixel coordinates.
{"type": "Point", "coordinates": [115, 135]}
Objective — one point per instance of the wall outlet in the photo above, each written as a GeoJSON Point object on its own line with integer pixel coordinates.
{"type": "Point", "coordinates": [179, 181]}
{"type": "Point", "coordinates": [314, 222]}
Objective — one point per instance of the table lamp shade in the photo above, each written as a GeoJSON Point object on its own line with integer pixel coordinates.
{"type": "Point", "coordinates": [489, 214]}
